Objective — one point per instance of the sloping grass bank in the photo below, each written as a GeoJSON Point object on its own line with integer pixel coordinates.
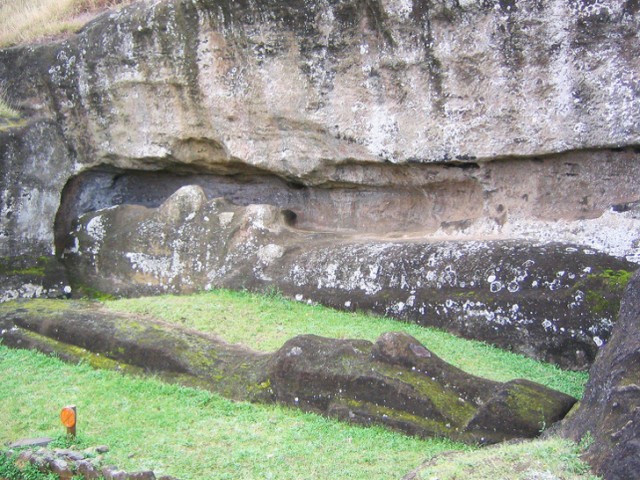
{"type": "Point", "coordinates": [193, 434]}
{"type": "Point", "coordinates": [265, 322]}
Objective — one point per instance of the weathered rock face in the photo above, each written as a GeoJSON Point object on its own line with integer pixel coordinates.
{"type": "Point", "coordinates": [609, 413]}
{"type": "Point", "coordinates": [294, 87]}
{"type": "Point", "coordinates": [438, 121]}
{"type": "Point", "coordinates": [395, 382]}
{"type": "Point", "coordinates": [21, 277]}
{"type": "Point", "coordinates": [550, 301]}
{"type": "Point", "coordinates": [34, 161]}
{"type": "Point", "coordinates": [332, 93]}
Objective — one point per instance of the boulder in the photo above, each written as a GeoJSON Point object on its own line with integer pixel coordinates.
{"type": "Point", "coordinates": [28, 277]}
{"type": "Point", "coordinates": [607, 421]}
{"type": "Point", "coordinates": [398, 382]}
{"type": "Point", "coordinates": [395, 381]}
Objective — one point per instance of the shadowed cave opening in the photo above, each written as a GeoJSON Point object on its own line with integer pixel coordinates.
{"type": "Point", "coordinates": [384, 200]}
{"type": "Point", "coordinates": [346, 208]}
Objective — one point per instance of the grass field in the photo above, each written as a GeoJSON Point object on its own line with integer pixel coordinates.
{"type": "Point", "coordinates": [266, 322]}
{"type": "Point", "coordinates": [194, 434]}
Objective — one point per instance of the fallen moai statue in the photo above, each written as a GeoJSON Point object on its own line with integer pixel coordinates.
{"type": "Point", "coordinates": [395, 381]}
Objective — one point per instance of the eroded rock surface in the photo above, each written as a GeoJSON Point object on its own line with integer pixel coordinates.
{"type": "Point", "coordinates": [395, 381]}
{"type": "Point", "coordinates": [295, 87]}
{"type": "Point", "coordinates": [427, 123]}
{"type": "Point", "coordinates": [448, 118]}
{"type": "Point", "coordinates": [554, 302]}
{"type": "Point", "coordinates": [608, 419]}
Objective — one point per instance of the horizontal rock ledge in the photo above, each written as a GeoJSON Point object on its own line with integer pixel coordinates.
{"type": "Point", "coordinates": [396, 381]}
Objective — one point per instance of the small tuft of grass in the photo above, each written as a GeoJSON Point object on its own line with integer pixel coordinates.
{"type": "Point", "coordinates": [6, 111]}
{"type": "Point", "coordinates": [26, 21]}
{"type": "Point", "coordinates": [265, 322]}
{"type": "Point", "coordinates": [538, 459]}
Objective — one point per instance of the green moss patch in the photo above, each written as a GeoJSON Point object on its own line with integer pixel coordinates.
{"type": "Point", "coordinates": [603, 290]}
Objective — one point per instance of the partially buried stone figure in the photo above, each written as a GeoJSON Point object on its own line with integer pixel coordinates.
{"type": "Point", "coordinates": [398, 382]}
{"type": "Point", "coordinates": [395, 381]}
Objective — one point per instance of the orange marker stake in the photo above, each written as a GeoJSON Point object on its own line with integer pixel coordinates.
{"type": "Point", "coordinates": [68, 419]}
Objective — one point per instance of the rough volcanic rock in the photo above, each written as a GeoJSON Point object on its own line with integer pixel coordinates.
{"type": "Point", "coordinates": [35, 164]}
{"type": "Point", "coordinates": [474, 120]}
{"type": "Point", "coordinates": [486, 117]}
{"type": "Point", "coordinates": [395, 382]}
{"type": "Point", "coordinates": [608, 419]}
{"type": "Point", "coordinates": [554, 302]}
{"type": "Point", "coordinates": [398, 382]}
{"type": "Point", "coordinates": [28, 277]}
{"type": "Point", "coordinates": [287, 85]}
{"type": "Point", "coordinates": [76, 331]}
{"type": "Point", "coordinates": [585, 198]}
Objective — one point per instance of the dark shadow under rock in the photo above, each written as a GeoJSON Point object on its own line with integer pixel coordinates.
{"type": "Point", "coordinates": [395, 381]}
{"type": "Point", "coordinates": [608, 419]}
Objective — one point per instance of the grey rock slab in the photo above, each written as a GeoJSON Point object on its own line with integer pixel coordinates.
{"type": "Point", "coordinates": [31, 442]}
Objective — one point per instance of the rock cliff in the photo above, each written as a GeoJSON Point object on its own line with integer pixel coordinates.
{"type": "Point", "coordinates": [382, 120]}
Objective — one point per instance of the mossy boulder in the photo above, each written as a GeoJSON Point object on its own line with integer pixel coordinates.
{"type": "Point", "coordinates": [27, 276]}
{"type": "Point", "coordinates": [608, 418]}
{"type": "Point", "coordinates": [398, 382]}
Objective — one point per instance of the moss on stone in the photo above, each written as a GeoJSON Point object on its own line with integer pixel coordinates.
{"type": "Point", "coordinates": [92, 293]}
{"type": "Point", "coordinates": [71, 352]}
{"type": "Point", "coordinates": [615, 280]}
{"type": "Point", "coordinates": [598, 303]}
{"type": "Point", "coordinates": [603, 290]}
{"type": "Point", "coordinates": [383, 414]}
{"type": "Point", "coordinates": [446, 401]}
{"type": "Point", "coordinates": [9, 123]}
{"type": "Point", "coordinates": [46, 306]}
{"type": "Point", "coordinates": [529, 405]}
{"type": "Point", "coordinates": [25, 265]}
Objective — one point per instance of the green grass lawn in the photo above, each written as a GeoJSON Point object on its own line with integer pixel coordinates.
{"type": "Point", "coordinates": [266, 322]}
{"type": "Point", "coordinates": [194, 434]}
